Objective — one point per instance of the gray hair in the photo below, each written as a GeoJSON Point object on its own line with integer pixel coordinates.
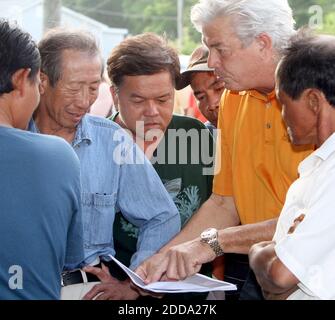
{"type": "Point", "coordinates": [250, 18]}
{"type": "Point", "coordinates": [56, 41]}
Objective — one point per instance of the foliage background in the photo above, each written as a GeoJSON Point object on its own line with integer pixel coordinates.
{"type": "Point", "coordinates": [160, 16]}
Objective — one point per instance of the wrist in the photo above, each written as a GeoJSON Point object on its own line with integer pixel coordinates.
{"type": "Point", "coordinates": [210, 237]}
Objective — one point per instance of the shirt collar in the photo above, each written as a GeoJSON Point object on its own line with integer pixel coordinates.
{"type": "Point", "coordinates": [260, 96]}
{"type": "Point", "coordinates": [318, 156]}
{"type": "Point", "coordinates": [83, 132]}
{"type": "Point", "coordinates": [32, 126]}
{"type": "Point", "coordinates": [327, 148]}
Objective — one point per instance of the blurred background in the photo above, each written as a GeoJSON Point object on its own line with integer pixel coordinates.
{"type": "Point", "coordinates": [112, 20]}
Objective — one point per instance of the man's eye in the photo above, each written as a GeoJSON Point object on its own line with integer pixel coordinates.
{"type": "Point", "coordinates": [223, 52]}
{"type": "Point", "coordinates": [94, 90]}
{"type": "Point", "coordinates": [137, 101]}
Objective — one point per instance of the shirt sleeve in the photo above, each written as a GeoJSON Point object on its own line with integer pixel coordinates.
{"type": "Point", "coordinates": [75, 243]}
{"type": "Point", "coordinates": [222, 183]}
{"type": "Point", "coordinates": [309, 251]}
{"type": "Point", "coordinates": [144, 201]}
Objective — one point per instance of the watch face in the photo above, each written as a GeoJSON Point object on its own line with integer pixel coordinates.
{"type": "Point", "coordinates": [208, 233]}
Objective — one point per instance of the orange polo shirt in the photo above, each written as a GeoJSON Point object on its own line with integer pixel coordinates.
{"type": "Point", "coordinates": [258, 162]}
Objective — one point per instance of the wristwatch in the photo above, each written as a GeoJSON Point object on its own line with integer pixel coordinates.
{"type": "Point", "coordinates": [210, 236]}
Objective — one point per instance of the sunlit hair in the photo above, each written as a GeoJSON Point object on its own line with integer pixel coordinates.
{"type": "Point", "coordinates": [144, 54]}
{"type": "Point", "coordinates": [56, 41]}
{"type": "Point", "coordinates": [250, 18]}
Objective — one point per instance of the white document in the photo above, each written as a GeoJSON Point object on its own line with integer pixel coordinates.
{"type": "Point", "coordinates": [196, 283]}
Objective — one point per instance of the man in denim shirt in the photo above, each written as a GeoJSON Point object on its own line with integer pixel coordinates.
{"type": "Point", "coordinates": [115, 173]}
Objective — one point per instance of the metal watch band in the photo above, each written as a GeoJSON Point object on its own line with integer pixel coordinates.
{"type": "Point", "coordinates": [216, 248]}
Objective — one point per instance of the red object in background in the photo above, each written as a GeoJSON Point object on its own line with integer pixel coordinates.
{"type": "Point", "coordinates": [192, 102]}
{"type": "Point", "coordinates": [218, 268]}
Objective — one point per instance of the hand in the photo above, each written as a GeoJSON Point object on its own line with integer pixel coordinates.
{"type": "Point", "coordinates": [178, 262]}
{"type": "Point", "coordinates": [152, 269]}
{"type": "Point", "coordinates": [110, 288]}
{"type": "Point", "coordinates": [296, 222]}
{"type": "Point", "coordinates": [186, 259]}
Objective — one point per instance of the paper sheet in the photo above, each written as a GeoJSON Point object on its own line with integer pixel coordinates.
{"type": "Point", "coordinates": [196, 283]}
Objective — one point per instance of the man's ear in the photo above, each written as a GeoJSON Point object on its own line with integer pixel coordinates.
{"type": "Point", "coordinates": [44, 83]}
{"type": "Point", "coordinates": [265, 44]}
{"type": "Point", "coordinates": [113, 91]}
{"type": "Point", "coordinates": [19, 81]}
{"type": "Point", "coordinates": [315, 99]}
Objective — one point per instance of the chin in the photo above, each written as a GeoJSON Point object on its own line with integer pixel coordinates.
{"type": "Point", "coordinates": [153, 134]}
{"type": "Point", "coordinates": [299, 141]}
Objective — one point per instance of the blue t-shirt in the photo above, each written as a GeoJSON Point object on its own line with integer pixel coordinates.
{"type": "Point", "coordinates": [40, 214]}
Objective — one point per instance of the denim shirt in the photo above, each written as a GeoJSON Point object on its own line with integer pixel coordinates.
{"type": "Point", "coordinates": [116, 176]}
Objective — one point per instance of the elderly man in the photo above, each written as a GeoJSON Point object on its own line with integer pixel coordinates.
{"type": "Point", "coordinates": [143, 70]}
{"type": "Point", "coordinates": [115, 174]}
{"type": "Point", "coordinates": [299, 262]}
{"type": "Point", "coordinates": [258, 162]}
{"type": "Point", "coordinates": [206, 85]}
{"type": "Point", "coordinates": [40, 212]}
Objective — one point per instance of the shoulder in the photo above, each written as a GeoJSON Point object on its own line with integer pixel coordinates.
{"type": "Point", "coordinates": [100, 122]}
{"type": "Point", "coordinates": [187, 123]}
{"type": "Point", "coordinates": [192, 128]}
{"type": "Point", "coordinates": [232, 98]}
{"type": "Point", "coordinates": [105, 129]}
{"type": "Point", "coordinates": [43, 150]}
{"type": "Point", "coordinates": [54, 149]}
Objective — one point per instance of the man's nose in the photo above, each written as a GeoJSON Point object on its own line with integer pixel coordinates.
{"type": "Point", "coordinates": [83, 100]}
{"type": "Point", "coordinates": [151, 109]}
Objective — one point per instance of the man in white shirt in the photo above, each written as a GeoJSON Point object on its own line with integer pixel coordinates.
{"type": "Point", "coordinates": [299, 262]}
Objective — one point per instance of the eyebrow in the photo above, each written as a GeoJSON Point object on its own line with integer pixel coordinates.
{"type": "Point", "coordinates": [215, 81]}
{"type": "Point", "coordinates": [215, 45]}
{"type": "Point", "coordinates": [135, 95]}
{"type": "Point", "coordinates": [80, 82]}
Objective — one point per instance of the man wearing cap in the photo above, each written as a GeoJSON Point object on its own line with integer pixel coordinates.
{"type": "Point", "coordinates": [206, 86]}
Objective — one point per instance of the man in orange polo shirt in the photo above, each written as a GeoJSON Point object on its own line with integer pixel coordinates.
{"type": "Point", "coordinates": [256, 162]}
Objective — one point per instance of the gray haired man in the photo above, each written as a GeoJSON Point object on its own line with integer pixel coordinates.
{"type": "Point", "coordinates": [258, 163]}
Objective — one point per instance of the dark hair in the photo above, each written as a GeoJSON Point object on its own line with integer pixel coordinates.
{"type": "Point", "coordinates": [309, 62]}
{"type": "Point", "coordinates": [56, 41]}
{"type": "Point", "coordinates": [17, 51]}
{"type": "Point", "coordinates": [144, 54]}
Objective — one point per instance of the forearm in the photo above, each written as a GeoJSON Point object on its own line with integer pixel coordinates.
{"type": "Point", "coordinates": [152, 235]}
{"type": "Point", "coordinates": [215, 212]}
{"type": "Point", "coordinates": [239, 239]}
{"type": "Point", "coordinates": [275, 279]}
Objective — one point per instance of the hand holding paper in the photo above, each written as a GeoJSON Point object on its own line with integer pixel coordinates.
{"type": "Point", "coordinates": [196, 283]}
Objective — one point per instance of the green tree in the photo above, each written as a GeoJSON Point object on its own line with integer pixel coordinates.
{"type": "Point", "coordinates": [140, 16]}
{"type": "Point", "coordinates": [109, 12]}
{"type": "Point", "coordinates": [160, 16]}
{"type": "Point", "coordinates": [304, 13]}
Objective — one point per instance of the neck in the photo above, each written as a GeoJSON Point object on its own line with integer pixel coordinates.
{"type": "Point", "coordinates": [267, 79]}
{"type": "Point", "coordinates": [47, 125]}
{"type": "Point", "coordinates": [6, 118]}
{"type": "Point", "coordinates": [326, 125]}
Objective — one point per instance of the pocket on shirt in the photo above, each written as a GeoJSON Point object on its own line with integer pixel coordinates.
{"type": "Point", "coordinates": [101, 209]}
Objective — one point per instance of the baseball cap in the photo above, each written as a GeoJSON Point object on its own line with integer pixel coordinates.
{"type": "Point", "coordinates": [198, 63]}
